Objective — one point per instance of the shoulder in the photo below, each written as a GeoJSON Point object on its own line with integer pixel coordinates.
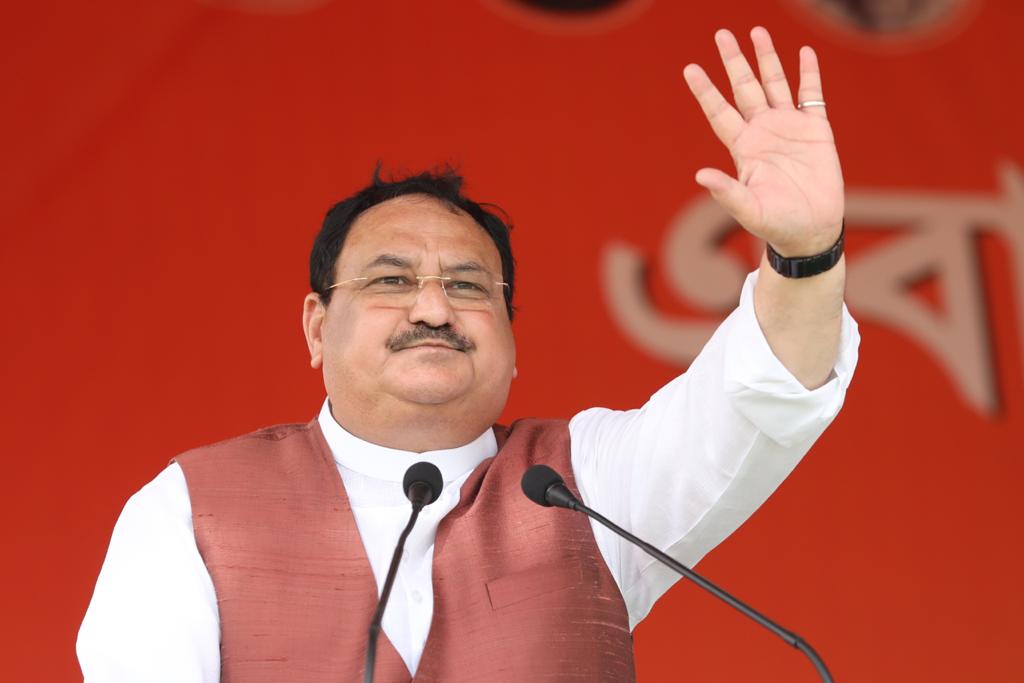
{"type": "Point", "coordinates": [265, 440]}
{"type": "Point", "coordinates": [532, 430]}
{"type": "Point", "coordinates": [247, 472]}
{"type": "Point", "coordinates": [278, 452]}
{"type": "Point", "coordinates": [533, 441]}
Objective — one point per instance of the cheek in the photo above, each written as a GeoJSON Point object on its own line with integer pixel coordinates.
{"type": "Point", "coordinates": [495, 343]}
{"type": "Point", "coordinates": [352, 343]}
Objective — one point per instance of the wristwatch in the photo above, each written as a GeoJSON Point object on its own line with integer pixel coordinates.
{"type": "Point", "coordinates": [807, 266]}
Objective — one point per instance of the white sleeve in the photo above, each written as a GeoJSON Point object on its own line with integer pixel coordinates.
{"type": "Point", "coordinates": [153, 615]}
{"type": "Point", "coordinates": [703, 454]}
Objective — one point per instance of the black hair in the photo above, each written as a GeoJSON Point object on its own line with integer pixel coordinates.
{"type": "Point", "coordinates": [445, 185]}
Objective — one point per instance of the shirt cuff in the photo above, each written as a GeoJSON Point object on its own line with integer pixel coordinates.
{"type": "Point", "coordinates": [766, 393]}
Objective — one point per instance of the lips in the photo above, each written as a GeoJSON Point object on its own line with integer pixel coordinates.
{"type": "Point", "coordinates": [430, 346]}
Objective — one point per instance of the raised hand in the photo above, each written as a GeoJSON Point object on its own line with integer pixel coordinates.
{"type": "Point", "coordinates": [788, 188]}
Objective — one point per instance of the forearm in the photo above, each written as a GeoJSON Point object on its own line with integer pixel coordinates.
{"type": "Point", "coordinates": [704, 452]}
{"type": "Point", "coordinates": [801, 318]}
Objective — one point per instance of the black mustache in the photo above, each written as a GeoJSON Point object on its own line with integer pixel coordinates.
{"type": "Point", "coordinates": [423, 332]}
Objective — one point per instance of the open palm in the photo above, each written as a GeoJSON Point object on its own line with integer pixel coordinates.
{"type": "Point", "coordinates": [788, 188]}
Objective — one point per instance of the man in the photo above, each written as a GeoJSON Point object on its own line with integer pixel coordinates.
{"type": "Point", "coordinates": [260, 559]}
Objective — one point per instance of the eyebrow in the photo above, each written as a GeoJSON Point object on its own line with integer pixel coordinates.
{"type": "Point", "coordinates": [389, 260]}
{"type": "Point", "coordinates": [397, 261]}
{"type": "Point", "coordinates": [466, 266]}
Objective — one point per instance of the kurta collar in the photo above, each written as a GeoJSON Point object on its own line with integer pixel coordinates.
{"type": "Point", "coordinates": [389, 464]}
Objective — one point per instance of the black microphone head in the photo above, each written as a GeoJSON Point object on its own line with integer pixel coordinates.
{"type": "Point", "coordinates": [536, 482]}
{"type": "Point", "coordinates": [427, 474]}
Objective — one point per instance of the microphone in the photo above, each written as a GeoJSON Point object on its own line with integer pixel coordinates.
{"type": "Point", "coordinates": [544, 486]}
{"type": "Point", "coordinates": [422, 484]}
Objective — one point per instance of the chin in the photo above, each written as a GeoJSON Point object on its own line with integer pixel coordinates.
{"type": "Point", "coordinates": [431, 382]}
{"type": "Point", "coordinates": [431, 394]}
{"type": "Point", "coordinates": [430, 387]}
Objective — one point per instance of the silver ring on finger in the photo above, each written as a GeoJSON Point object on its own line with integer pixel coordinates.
{"type": "Point", "coordinates": [811, 103]}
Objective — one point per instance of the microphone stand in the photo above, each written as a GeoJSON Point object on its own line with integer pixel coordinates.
{"type": "Point", "coordinates": [422, 485]}
{"type": "Point", "coordinates": [560, 496]}
{"type": "Point", "coordinates": [378, 616]}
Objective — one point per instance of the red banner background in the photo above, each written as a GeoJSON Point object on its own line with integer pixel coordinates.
{"type": "Point", "coordinates": [168, 164]}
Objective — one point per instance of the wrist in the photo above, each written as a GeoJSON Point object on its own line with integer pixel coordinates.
{"type": "Point", "coordinates": [807, 264]}
{"type": "Point", "coordinates": [821, 241]}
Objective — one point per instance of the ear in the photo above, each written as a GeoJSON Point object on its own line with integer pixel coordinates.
{"type": "Point", "coordinates": [313, 312]}
{"type": "Point", "coordinates": [515, 372]}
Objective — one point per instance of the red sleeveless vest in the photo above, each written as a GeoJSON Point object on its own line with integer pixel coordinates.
{"type": "Point", "coordinates": [521, 592]}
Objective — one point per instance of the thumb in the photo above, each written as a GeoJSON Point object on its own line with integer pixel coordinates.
{"type": "Point", "coordinates": [731, 194]}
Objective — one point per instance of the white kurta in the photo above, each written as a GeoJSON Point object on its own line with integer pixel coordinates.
{"type": "Point", "coordinates": [682, 472]}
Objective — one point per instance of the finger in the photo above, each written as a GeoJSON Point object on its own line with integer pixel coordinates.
{"type": "Point", "coordinates": [733, 195]}
{"type": "Point", "coordinates": [810, 82]}
{"type": "Point", "coordinates": [746, 89]}
{"type": "Point", "coordinates": [725, 121]}
{"type": "Point", "coordinates": [773, 78]}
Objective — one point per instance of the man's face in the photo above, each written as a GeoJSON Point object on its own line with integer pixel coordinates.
{"type": "Point", "coordinates": [379, 367]}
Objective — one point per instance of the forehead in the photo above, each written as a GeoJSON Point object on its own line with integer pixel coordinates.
{"type": "Point", "coordinates": [421, 229]}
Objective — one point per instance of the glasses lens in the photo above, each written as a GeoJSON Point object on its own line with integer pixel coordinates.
{"type": "Point", "coordinates": [470, 287]}
{"type": "Point", "coordinates": [394, 284]}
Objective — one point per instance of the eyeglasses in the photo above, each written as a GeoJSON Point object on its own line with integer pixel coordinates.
{"type": "Point", "coordinates": [467, 290]}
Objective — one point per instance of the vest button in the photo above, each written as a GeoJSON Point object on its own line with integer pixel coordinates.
{"type": "Point", "coordinates": [417, 596]}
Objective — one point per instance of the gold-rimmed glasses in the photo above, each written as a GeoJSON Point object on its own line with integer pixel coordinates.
{"type": "Point", "coordinates": [471, 289]}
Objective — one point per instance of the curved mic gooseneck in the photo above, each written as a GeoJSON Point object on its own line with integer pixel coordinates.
{"type": "Point", "coordinates": [544, 486]}
{"type": "Point", "coordinates": [422, 485]}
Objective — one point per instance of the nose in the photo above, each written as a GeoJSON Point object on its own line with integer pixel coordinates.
{"type": "Point", "coordinates": [431, 305]}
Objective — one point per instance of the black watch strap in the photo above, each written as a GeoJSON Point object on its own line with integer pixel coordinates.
{"type": "Point", "coordinates": [806, 266]}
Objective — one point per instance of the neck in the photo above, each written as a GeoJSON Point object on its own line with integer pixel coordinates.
{"type": "Point", "coordinates": [417, 431]}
